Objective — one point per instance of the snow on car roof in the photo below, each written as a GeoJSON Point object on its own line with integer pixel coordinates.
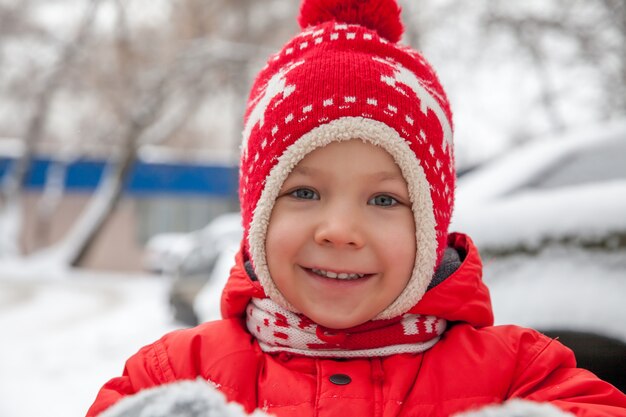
{"type": "Point", "coordinates": [521, 165]}
{"type": "Point", "coordinates": [498, 206]}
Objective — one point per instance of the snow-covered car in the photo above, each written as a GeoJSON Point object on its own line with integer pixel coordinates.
{"type": "Point", "coordinates": [550, 222]}
{"type": "Point", "coordinates": [192, 271]}
{"type": "Point", "coordinates": [163, 253]}
{"type": "Point", "coordinates": [167, 253]}
{"type": "Point", "coordinates": [206, 304]}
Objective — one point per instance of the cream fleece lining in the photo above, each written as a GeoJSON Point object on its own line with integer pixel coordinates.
{"type": "Point", "coordinates": [379, 134]}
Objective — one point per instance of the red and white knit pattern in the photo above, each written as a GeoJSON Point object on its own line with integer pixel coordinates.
{"type": "Point", "coordinates": [279, 330]}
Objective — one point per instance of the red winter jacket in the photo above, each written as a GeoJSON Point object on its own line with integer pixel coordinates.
{"type": "Point", "coordinates": [473, 364]}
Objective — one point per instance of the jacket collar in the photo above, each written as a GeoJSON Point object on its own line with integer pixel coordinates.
{"type": "Point", "coordinates": [462, 297]}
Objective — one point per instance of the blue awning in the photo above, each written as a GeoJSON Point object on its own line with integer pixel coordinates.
{"type": "Point", "coordinates": [145, 179]}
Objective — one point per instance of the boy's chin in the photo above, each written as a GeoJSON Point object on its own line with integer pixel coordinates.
{"type": "Point", "coordinates": [333, 325]}
{"type": "Point", "coordinates": [338, 320]}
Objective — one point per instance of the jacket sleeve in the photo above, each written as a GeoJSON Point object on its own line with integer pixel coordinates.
{"type": "Point", "coordinates": [546, 372]}
{"type": "Point", "coordinates": [147, 368]}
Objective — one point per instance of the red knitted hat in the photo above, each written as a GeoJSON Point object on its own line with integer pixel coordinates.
{"type": "Point", "coordinates": [346, 77]}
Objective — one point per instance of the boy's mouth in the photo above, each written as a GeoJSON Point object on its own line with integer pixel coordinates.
{"type": "Point", "coordinates": [336, 275]}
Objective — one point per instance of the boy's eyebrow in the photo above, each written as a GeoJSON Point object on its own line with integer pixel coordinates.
{"type": "Point", "coordinates": [305, 170]}
{"type": "Point", "coordinates": [387, 176]}
{"type": "Point", "coordinates": [376, 176]}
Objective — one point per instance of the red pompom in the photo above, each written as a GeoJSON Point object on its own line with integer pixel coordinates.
{"type": "Point", "coordinates": [382, 16]}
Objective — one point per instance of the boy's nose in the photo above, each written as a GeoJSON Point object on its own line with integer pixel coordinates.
{"type": "Point", "coordinates": [340, 228]}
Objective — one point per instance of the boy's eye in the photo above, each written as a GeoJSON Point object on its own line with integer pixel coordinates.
{"type": "Point", "coordinates": [383, 200]}
{"type": "Point", "coordinates": [305, 194]}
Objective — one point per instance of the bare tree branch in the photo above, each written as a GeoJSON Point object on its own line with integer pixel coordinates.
{"type": "Point", "coordinates": [143, 124]}
{"type": "Point", "coordinates": [10, 189]}
{"type": "Point", "coordinates": [51, 85]}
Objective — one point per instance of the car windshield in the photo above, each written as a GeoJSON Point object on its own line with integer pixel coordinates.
{"type": "Point", "coordinates": [586, 165]}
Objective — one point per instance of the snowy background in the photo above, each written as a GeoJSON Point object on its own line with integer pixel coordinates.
{"type": "Point", "coordinates": [64, 334]}
{"type": "Point", "coordinates": [515, 72]}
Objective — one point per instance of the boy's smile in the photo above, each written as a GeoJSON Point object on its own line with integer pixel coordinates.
{"type": "Point", "coordinates": [337, 275]}
{"type": "Point", "coordinates": [341, 238]}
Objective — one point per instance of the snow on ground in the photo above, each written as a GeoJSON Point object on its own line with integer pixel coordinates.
{"type": "Point", "coordinates": [64, 336]}
{"type": "Point", "coordinates": [61, 339]}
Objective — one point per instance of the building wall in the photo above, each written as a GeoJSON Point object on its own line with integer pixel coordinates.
{"type": "Point", "coordinates": [159, 197]}
{"type": "Point", "coordinates": [120, 245]}
{"type": "Point", "coordinates": [116, 248]}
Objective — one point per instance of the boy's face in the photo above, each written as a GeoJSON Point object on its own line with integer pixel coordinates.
{"type": "Point", "coordinates": [341, 238]}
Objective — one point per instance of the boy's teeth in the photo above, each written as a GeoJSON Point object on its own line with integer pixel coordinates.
{"type": "Point", "coordinates": [334, 275]}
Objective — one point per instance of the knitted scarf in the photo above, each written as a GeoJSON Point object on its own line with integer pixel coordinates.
{"type": "Point", "coordinates": [280, 330]}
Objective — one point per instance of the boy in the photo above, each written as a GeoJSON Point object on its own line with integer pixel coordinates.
{"type": "Point", "coordinates": [348, 296]}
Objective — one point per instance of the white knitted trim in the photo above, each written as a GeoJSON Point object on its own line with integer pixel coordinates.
{"type": "Point", "coordinates": [362, 353]}
{"type": "Point", "coordinates": [379, 134]}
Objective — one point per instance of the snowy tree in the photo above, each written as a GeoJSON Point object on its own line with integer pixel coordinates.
{"type": "Point", "coordinates": [515, 71]}
{"type": "Point", "coordinates": [566, 35]}
{"type": "Point", "coordinates": [132, 83]}
{"type": "Point", "coordinates": [108, 78]}
{"type": "Point", "coordinates": [11, 189]}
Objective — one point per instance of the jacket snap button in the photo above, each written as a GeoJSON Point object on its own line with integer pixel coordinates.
{"type": "Point", "coordinates": [340, 379]}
